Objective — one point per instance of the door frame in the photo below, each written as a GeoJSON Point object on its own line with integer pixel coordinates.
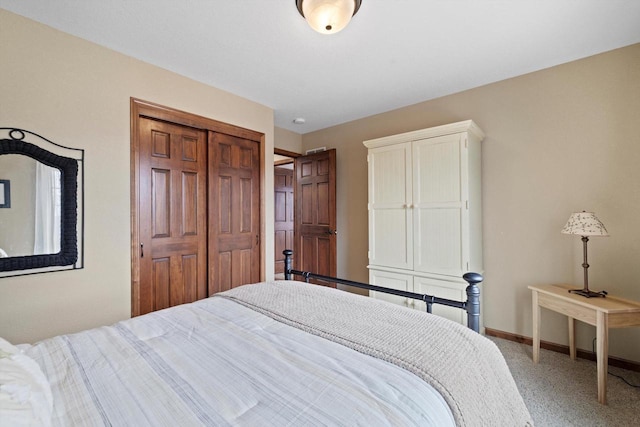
{"type": "Point", "coordinates": [292, 155]}
{"type": "Point", "coordinates": [140, 108]}
{"type": "Point", "coordinates": [286, 153]}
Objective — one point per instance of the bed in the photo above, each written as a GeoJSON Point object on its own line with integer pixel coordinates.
{"type": "Point", "coordinates": [281, 353]}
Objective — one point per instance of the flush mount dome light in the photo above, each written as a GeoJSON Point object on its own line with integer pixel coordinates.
{"type": "Point", "coordinates": [328, 16]}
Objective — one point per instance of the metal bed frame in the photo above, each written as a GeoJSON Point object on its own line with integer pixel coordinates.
{"type": "Point", "coordinates": [471, 305]}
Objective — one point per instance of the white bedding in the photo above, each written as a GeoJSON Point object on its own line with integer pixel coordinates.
{"type": "Point", "coordinates": [216, 362]}
{"type": "Point", "coordinates": [25, 394]}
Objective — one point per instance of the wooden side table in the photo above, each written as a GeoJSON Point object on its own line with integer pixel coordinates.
{"type": "Point", "coordinates": [603, 313]}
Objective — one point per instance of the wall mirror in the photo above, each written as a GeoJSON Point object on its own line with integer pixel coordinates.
{"type": "Point", "coordinates": [41, 204]}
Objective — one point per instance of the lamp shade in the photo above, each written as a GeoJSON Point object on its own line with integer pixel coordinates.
{"type": "Point", "coordinates": [328, 16]}
{"type": "Point", "coordinates": [584, 224]}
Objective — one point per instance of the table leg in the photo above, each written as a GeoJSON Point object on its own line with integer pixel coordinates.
{"type": "Point", "coordinates": [602, 347]}
{"type": "Point", "coordinates": [536, 327]}
{"type": "Point", "coordinates": [572, 338]}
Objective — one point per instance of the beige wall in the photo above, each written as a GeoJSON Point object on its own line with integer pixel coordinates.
{"type": "Point", "coordinates": [559, 140]}
{"type": "Point", "coordinates": [287, 140]}
{"type": "Point", "coordinates": [77, 94]}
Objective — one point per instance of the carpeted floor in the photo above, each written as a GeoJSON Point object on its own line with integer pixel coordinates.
{"type": "Point", "coordinates": [562, 392]}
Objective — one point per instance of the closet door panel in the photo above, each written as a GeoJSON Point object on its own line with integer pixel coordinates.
{"type": "Point", "coordinates": [390, 222]}
{"type": "Point", "coordinates": [234, 212]}
{"type": "Point", "coordinates": [436, 170]}
{"type": "Point", "coordinates": [443, 289]}
{"type": "Point", "coordinates": [388, 240]}
{"type": "Point", "coordinates": [172, 165]}
{"type": "Point", "coordinates": [440, 247]}
{"type": "Point", "coordinates": [387, 279]}
{"type": "Point", "coordinates": [438, 191]}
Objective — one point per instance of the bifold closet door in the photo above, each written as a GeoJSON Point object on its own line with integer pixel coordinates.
{"type": "Point", "coordinates": [234, 212]}
{"type": "Point", "coordinates": [172, 209]}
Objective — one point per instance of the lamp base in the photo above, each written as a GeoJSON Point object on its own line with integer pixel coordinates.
{"type": "Point", "coordinates": [587, 293]}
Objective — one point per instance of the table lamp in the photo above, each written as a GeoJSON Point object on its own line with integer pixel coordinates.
{"type": "Point", "coordinates": [585, 224]}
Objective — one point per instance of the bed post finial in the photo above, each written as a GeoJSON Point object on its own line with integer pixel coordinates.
{"type": "Point", "coordinates": [473, 300]}
{"type": "Point", "coordinates": [288, 254]}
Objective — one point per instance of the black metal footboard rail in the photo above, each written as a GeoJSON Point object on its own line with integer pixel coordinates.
{"type": "Point", "coordinates": [471, 305]}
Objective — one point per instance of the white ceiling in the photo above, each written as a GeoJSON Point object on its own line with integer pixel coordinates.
{"type": "Point", "coordinates": [393, 53]}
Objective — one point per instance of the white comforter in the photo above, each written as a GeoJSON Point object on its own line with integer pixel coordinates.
{"type": "Point", "coordinates": [217, 363]}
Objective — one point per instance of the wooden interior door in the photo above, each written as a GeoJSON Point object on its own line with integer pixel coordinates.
{"type": "Point", "coordinates": [172, 210]}
{"type": "Point", "coordinates": [283, 215]}
{"type": "Point", "coordinates": [234, 212]}
{"type": "Point", "coordinates": [315, 218]}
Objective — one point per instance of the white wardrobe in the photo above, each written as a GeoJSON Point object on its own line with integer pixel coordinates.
{"type": "Point", "coordinates": [425, 213]}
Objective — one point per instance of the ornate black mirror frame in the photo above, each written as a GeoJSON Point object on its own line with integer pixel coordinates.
{"type": "Point", "coordinates": [70, 163]}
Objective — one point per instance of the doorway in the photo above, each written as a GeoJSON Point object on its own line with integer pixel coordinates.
{"type": "Point", "coordinates": [305, 198]}
{"type": "Point", "coordinates": [283, 164]}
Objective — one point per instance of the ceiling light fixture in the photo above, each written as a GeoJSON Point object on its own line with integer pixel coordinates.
{"type": "Point", "coordinates": [328, 16]}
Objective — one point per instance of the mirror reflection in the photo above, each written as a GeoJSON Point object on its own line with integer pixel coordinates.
{"type": "Point", "coordinates": [32, 225]}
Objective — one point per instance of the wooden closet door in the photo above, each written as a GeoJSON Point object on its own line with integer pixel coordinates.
{"type": "Point", "coordinates": [172, 208]}
{"type": "Point", "coordinates": [234, 212]}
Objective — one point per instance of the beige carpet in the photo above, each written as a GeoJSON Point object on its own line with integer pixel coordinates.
{"type": "Point", "coordinates": [562, 392]}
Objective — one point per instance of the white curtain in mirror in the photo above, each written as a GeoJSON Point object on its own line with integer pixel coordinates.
{"type": "Point", "coordinates": [48, 210]}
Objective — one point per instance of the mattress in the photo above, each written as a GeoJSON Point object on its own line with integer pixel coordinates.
{"type": "Point", "coordinates": [216, 362]}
